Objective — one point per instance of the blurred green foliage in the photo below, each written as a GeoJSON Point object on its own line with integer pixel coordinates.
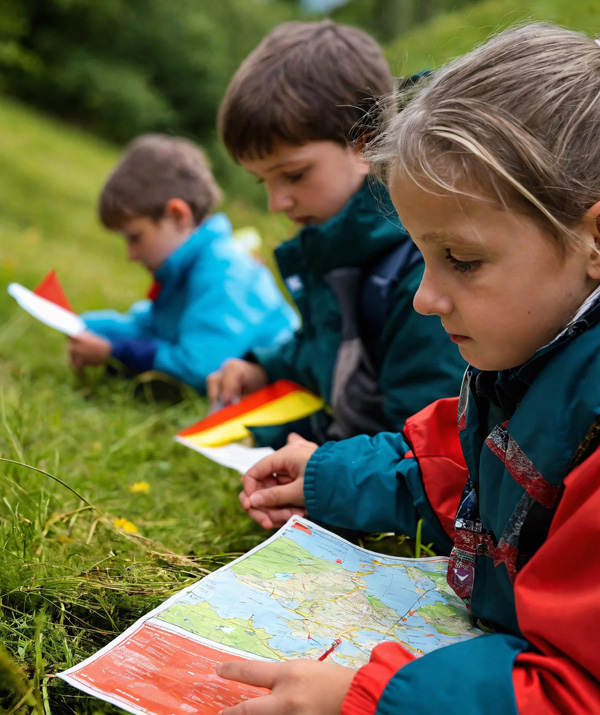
{"type": "Point", "coordinates": [451, 34]}
{"type": "Point", "coordinates": [127, 66]}
{"type": "Point", "coordinates": [123, 67]}
{"type": "Point", "coordinates": [387, 19]}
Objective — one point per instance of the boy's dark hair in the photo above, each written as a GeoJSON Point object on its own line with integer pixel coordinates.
{"type": "Point", "coordinates": [306, 81]}
{"type": "Point", "coordinates": [154, 169]}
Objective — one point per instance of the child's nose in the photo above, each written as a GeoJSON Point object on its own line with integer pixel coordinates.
{"type": "Point", "coordinates": [430, 298]}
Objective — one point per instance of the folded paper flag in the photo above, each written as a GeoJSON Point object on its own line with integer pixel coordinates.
{"type": "Point", "coordinates": [48, 303]}
{"type": "Point", "coordinates": [51, 290]}
{"type": "Point", "coordinates": [276, 404]}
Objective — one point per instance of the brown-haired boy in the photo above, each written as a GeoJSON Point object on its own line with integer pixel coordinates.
{"type": "Point", "coordinates": [209, 300]}
{"type": "Point", "coordinates": [287, 117]}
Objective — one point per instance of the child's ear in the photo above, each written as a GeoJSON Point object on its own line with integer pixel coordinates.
{"type": "Point", "coordinates": [356, 147]}
{"type": "Point", "coordinates": [180, 211]}
{"type": "Point", "coordinates": [593, 217]}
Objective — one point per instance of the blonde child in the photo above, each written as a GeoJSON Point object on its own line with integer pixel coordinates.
{"type": "Point", "coordinates": [494, 169]}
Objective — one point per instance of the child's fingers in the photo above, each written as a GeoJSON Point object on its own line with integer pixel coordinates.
{"type": "Point", "coordinates": [250, 485]}
{"type": "Point", "coordinates": [261, 518]}
{"type": "Point", "coordinates": [294, 438]}
{"type": "Point", "coordinates": [232, 381]}
{"type": "Point", "coordinates": [274, 518]}
{"type": "Point", "coordinates": [254, 672]}
{"type": "Point", "coordinates": [285, 461]}
{"type": "Point", "coordinates": [284, 495]}
{"type": "Point", "coordinates": [213, 386]}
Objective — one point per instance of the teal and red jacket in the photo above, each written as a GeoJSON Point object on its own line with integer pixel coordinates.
{"type": "Point", "coordinates": [507, 482]}
{"type": "Point", "coordinates": [361, 346]}
{"type": "Point", "coordinates": [214, 302]}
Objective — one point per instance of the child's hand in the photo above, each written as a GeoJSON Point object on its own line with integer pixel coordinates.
{"type": "Point", "coordinates": [88, 349]}
{"type": "Point", "coordinates": [273, 490]}
{"type": "Point", "coordinates": [236, 378]}
{"type": "Point", "coordinates": [303, 687]}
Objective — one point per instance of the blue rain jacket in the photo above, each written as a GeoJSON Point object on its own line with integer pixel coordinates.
{"type": "Point", "coordinates": [215, 302]}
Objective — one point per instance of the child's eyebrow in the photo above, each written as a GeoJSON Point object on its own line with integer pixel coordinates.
{"type": "Point", "coordinates": [285, 163]}
{"type": "Point", "coordinates": [443, 237]}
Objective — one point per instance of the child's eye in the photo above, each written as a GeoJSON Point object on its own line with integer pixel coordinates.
{"type": "Point", "coordinates": [294, 178]}
{"type": "Point", "coordinates": [461, 266]}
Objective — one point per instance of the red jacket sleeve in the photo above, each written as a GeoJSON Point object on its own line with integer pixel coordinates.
{"type": "Point", "coordinates": [370, 681]}
{"type": "Point", "coordinates": [433, 435]}
{"type": "Point", "coordinates": [557, 597]}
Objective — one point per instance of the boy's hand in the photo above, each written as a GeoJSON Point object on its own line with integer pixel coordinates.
{"type": "Point", "coordinates": [236, 379]}
{"type": "Point", "coordinates": [88, 349]}
{"type": "Point", "coordinates": [298, 687]}
{"type": "Point", "coordinates": [273, 490]}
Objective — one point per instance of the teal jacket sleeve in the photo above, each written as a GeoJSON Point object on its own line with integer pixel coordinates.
{"type": "Point", "coordinates": [213, 327]}
{"type": "Point", "coordinates": [370, 484]}
{"type": "Point", "coordinates": [112, 325]}
{"type": "Point", "coordinates": [390, 481]}
{"type": "Point", "coordinates": [418, 364]}
{"type": "Point", "coordinates": [474, 676]}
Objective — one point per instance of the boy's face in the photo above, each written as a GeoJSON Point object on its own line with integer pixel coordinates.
{"type": "Point", "coordinates": [310, 182]}
{"type": "Point", "coordinates": [151, 242]}
{"type": "Point", "coordinates": [496, 280]}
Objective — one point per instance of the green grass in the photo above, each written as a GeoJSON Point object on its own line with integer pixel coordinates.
{"type": "Point", "coordinates": [70, 580]}
{"type": "Point", "coordinates": [450, 35]}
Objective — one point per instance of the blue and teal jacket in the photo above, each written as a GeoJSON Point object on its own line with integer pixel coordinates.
{"type": "Point", "coordinates": [506, 482]}
{"type": "Point", "coordinates": [361, 345]}
{"type": "Point", "coordinates": [215, 302]}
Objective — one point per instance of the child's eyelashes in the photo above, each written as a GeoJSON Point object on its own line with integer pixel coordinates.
{"type": "Point", "coordinates": [294, 178]}
{"type": "Point", "coordinates": [461, 266]}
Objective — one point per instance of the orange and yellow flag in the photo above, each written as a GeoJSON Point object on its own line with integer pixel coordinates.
{"type": "Point", "coordinates": [281, 402]}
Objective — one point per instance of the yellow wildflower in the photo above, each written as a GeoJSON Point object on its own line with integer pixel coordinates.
{"type": "Point", "coordinates": [139, 487]}
{"type": "Point", "coordinates": [126, 525]}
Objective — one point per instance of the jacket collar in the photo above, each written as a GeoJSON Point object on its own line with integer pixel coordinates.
{"type": "Point", "coordinates": [365, 228]}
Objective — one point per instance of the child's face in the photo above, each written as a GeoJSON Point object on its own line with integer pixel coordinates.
{"type": "Point", "coordinates": [311, 182]}
{"type": "Point", "coordinates": [151, 242]}
{"type": "Point", "coordinates": [494, 277]}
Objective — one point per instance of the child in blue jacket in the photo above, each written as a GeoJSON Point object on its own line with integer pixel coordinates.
{"type": "Point", "coordinates": [494, 169]}
{"type": "Point", "coordinates": [209, 300]}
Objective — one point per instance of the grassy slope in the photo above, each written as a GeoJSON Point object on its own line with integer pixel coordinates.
{"type": "Point", "coordinates": [89, 433]}
{"type": "Point", "coordinates": [453, 34]}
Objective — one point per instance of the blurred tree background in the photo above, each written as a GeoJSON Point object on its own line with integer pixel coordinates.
{"type": "Point", "coordinates": [122, 67]}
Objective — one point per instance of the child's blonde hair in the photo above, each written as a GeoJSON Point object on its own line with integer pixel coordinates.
{"type": "Point", "coordinates": [517, 119]}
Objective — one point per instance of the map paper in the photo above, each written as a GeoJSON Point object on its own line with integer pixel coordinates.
{"type": "Point", "coordinates": [288, 598]}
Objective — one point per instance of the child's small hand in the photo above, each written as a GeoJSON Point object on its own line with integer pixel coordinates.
{"type": "Point", "coordinates": [236, 378]}
{"type": "Point", "coordinates": [302, 687]}
{"type": "Point", "coordinates": [273, 490]}
{"type": "Point", "coordinates": [88, 349]}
